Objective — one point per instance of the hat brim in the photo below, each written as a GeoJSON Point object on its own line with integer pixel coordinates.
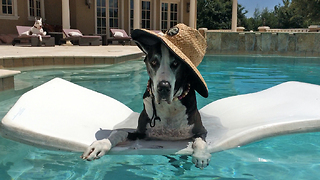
{"type": "Point", "coordinates": [149, 38]}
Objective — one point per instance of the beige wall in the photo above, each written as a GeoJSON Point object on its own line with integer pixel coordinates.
{"type": "Point", "coordinates": [81, 17]}
{"type": "Point", "coordinates": [53, 12]}
{"type": "Point", "coordinates": [156, 15]}
{"type": "Point", "coordinates": [126, 13]}
{"type": "Point", "coordinates": [9, 26]}
{"type": "Point", "coordinates": [186, 14]}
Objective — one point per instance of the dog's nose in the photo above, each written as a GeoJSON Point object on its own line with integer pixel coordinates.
{"type": "Point", "coordinates": [164, 87]}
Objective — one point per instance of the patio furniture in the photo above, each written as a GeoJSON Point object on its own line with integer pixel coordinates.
{"type": "Point", "coordinates": [119, 35]}
{"type": "Point", "coordinates": [31, 39]}
{"type": "Point", "coordinates": [77, 38]}
{"type": "Point", "coordinates": [57, 36]}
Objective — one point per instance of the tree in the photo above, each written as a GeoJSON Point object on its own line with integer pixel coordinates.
{"type": "Point", "coordinates": [213, 14]}
{"type": "Point", "coordinates": [287, 16]}
{"type": "Point", "coordinates": [284, 16]}
{"type": "Point", "coordinates": [268, 18]}
{"type": "Point", "coordinates": [309, 10]}
{"type": "Point", "coordinates": [255, 21]}
{"type": "Point", "coordinates": [217, 14]}
{"type": "Point", "coordinates": [242, 19]}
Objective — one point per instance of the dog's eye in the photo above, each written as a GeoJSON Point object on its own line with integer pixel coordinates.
{"type": "Point", "coordinates": [174, 64]}
{"type": "Point", "coordinates": [154, 63]}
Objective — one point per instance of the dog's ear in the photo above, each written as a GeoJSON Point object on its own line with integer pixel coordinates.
{"type": "Point", "coordinates": [145, 48]}
{"type": "Point", "coordinates": [40, 19]}
{"type": "Point", "coordinates": [35, 18]}
{"type": "Point", "coordinates": [144, 41]}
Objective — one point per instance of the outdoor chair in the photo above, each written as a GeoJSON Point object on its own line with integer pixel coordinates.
{"type": "Point", "coordinates": [119, 35]}
{"type": "Point", "coordinates": [31, 39]}
{"type": "Point", "coordinates": [77, 38]}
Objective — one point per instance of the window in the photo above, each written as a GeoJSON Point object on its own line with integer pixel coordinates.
{"type": "Point", "coordinates": [113, 14]}
{"type": "Point", "coordinates": [9, 9]}
{"type": "Point", "coordinates": [169, 15]}
{"type": "Point", "coordinates": [131, 15]}
{"type": "Point", "coordinates": [104, 17]}
{"type": "Point", "coordinates": [101, 17]}
{"type": "Point", "coordinates": [173, 14]}
{"type": "Point", "coordinates": [35, 9]}
{"type": "Point", "coordinates": [164, 17]}
{"type": "Point", "coordinates": [146, 14]}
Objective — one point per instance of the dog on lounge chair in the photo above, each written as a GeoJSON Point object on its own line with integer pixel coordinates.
{"type": "Point", "coordinates": [170, 108]}
{"type": "Point", "coordinates": [36, 29]}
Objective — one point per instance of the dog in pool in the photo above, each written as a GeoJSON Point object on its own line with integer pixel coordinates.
{"type": "Point", "coordinates": [170, 107]}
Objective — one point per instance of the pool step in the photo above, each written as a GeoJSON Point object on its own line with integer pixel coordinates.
{"type": "Point", "coordinates": [7, 79]}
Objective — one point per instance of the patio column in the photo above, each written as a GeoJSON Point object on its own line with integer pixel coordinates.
{"type": "Point", "coordinates": [234, 16]}
{"type": "Point", "coordinates": [192, 14]}
{"type": "Point", "coordinates": [65, 14]}
{"type": "Point", "coordinates": [136, 14]}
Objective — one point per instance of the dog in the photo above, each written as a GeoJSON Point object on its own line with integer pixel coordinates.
{"type": "Point", "coordinates": [36, 29]}
{"type": "Point", "coordinates": [170, 108]}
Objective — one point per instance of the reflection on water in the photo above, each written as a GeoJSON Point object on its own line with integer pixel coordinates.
{"type": "Point", "coordinates": [275, 158]}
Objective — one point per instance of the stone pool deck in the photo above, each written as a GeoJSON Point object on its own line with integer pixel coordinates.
{"type": "Point", "coordinates": [18, 57]}
{"type": "Point", "coordinates": [24, 56]}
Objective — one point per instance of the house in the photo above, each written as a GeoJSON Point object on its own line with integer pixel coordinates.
{"type": "Point", "coordinates": [98, 16]}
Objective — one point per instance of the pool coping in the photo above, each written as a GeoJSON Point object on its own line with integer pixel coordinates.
{"type": "Point", "coordinates": [24, 56]}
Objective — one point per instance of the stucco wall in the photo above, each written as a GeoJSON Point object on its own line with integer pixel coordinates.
{"type": "Point", "coordinates": [82, 17]}
{"type": "Point", "coordinates": [9, 26]}
{"type": "Point", "coordinates": [53, 12]}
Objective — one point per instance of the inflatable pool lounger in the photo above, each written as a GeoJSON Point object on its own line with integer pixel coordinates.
{"type": "Point", "coordinates": [60, 115]}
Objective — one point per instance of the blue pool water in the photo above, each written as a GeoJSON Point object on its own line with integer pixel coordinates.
{"type": "Point", "coordinates": [285, 157]}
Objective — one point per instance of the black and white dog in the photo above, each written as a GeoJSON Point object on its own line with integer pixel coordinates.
{"type": "Point", "coordinates": [170, 108]}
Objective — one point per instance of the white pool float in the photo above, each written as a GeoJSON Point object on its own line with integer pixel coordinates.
{"type": "Point", "coordinates": [60, 115]}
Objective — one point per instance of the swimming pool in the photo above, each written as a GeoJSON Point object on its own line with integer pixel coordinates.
{"type": "Point", "coordinates": [286, 157]}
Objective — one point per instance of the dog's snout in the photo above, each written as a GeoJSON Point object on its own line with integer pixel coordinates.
{"type": "Point", "coordinates": [164, 87]}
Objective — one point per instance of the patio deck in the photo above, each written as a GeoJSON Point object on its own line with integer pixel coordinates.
{"type": "Point", "coordinates": [24, 56]}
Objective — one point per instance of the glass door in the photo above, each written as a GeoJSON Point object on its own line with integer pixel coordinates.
{"type": "Point", "coordinates": [146, 15]}
{"type": "Point", "coordinates": [169, 15]}
{"type": "Point", "coordinates": [104, 17]}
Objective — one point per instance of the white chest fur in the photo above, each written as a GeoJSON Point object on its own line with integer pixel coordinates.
{"type": "Point", "coordinates": [36, 31]}
{"type": "Point", "coordinates": [173, 124]}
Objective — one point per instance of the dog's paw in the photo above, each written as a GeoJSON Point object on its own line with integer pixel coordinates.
{"type": "Point", "coordinates": [97, 149]}
{"type": "Point", "coordinates": [200, 157]}
{"type": "Point", "coordinates": [201, 160]}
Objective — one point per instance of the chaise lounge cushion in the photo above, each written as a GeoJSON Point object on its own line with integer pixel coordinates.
{"type": "Point", "coordinates": [75, 34]}
{"type": "Point", "coordinates": [77, 38]}
{"type": "Point", "coordinates": [23, 37]}
{"type": "Point", "coordinates": [118, 34]}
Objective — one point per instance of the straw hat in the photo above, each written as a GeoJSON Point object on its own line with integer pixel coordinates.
{"type": "Point", "coordinates": [184, 42]}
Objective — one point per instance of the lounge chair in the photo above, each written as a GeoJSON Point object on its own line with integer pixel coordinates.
{"type": "Point", "coordinates": [119, 35]}
{"type": "Point", "coordinates": [32, 39]}
{"type": "Point", "coordinates": [77, 38]}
